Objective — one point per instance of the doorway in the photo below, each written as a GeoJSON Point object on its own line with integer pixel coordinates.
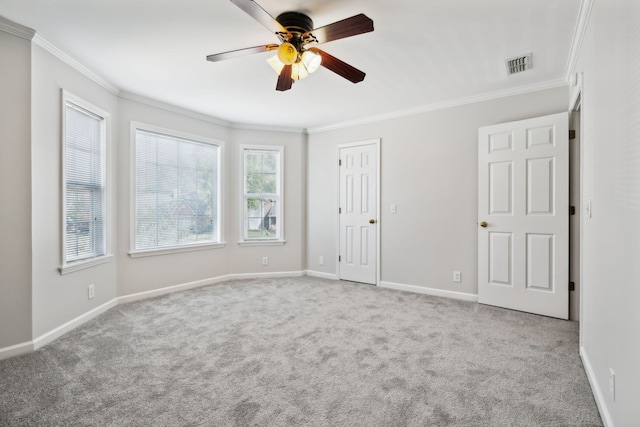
{"type": "Point", "coordinates": [523, 215]}
{"type": "Point", "coordinates": [358, 211]}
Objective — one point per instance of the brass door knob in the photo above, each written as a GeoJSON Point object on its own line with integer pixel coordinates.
{"type": "Point", "coordinates": [483, 224]}
{"type": "Point", "coordinates": [372, 221]}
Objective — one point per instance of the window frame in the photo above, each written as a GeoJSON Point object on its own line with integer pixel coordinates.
{"type": "Point", "coordinates": [137, 253]}
{"type": "Point", "coordinates": [70, 266]}
{"type": "Point", "coordinates": [279, 238]}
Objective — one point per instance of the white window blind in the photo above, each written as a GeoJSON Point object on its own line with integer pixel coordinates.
{"type": "Point", "coordinates": [262, 182]}
{"type": "Point", "coordinates": [84, 178]}
{"type": "Point", "coordinates": [176, 191]}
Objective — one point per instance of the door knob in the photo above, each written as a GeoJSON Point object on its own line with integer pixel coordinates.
{"type": "Point", "coordinates": [483, 224]}
{"type": "Point", "coordinates": [372, 221]}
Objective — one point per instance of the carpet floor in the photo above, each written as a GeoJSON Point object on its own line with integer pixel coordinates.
{"type": "Point", "coordinates": [304, 352]}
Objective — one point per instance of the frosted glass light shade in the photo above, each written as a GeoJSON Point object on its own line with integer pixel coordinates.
{"type": "Point", "coordinates": [276, 64]}
{"type": "Point", "coordinates": [298, 71]}
{"type": "Point", "coordinates": [308, 63]}
{"type": "Point", "coordinates": [311, 60]}
{"type": "Point", "coordinates": [287, 53]}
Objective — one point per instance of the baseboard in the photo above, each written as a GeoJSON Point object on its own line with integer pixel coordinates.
{"type": "Point", "coordinates": [48, 337]}
{"type": "Point", "coordinates": [171, 289]}
{"type": "Point", "coordinates": [42, 340]}
{"type": "Point", "coordinates": [266, 275]}
{"type": "Point", "coordinates": [430, 291]}
{"type": "Point", "coordinates": [595, 388]}
{"type": "Point", "coordinates": [16, 350]}
{"type": "Point", "coordinates": [205, 282]}
{"type": "Point", "coordinates": [321, 275]}
{"type": "Point", "coordinates": [63, 329]}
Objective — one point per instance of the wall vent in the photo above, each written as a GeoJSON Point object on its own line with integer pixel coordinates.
{"type": "Point", "coordinates": [518, 64]}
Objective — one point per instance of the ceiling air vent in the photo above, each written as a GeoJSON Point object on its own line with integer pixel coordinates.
{"type": "Point", "coordinates": [518, 64]}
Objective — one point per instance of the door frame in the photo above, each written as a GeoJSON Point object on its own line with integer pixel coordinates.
{"type": "Point", "coordinates": [377, 143]}
{"type": "Point", "coordinates": [576, 103]}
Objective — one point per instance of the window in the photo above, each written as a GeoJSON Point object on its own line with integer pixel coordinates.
{"type": "Point", "coordinates": [177, 197]}
{"type": "Point", "coordinates": [84, 178]}
{"type": "Point", "coordinates": [262, 189]}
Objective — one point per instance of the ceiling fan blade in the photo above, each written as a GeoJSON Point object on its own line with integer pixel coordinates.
{"type": "Point", "coordinates": [241, 52]}
{"type": "Point", "coordinates": [358, 24]}
{"type": "Point", "coordinates": [339, 67]}
{"type": "Point", "coordinates": [284, 79]}
{"type": "Point", "coordinates": [254, 10]}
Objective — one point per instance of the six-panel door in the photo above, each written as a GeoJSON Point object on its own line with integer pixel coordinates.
{"type": "Point", "coordinates": [523, 197]}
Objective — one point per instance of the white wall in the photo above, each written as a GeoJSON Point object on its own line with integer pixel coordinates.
{"type": "Point", "coordinates": [150, 273]}
{"type": "Point", "coordinates": [57, 298]}
{"type": "Point", "coordinates": [136, 275]}
{"type": "Point", "coordinates": [15, 190]}
{"type": "Point", "coordinates": [429, 170]}
{"type": "Point", "coordinates": [290, 256]}
{"type": "Point", "coordinates": [36, 299]}
{"type": "Point", "coordinates": [610, 322]}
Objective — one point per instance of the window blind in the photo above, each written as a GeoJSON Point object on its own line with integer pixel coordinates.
{"type": "Point", "coordinates": [84, 172]}
{"type": "Point", "coordinates": [176, 192]}
{"type": "Point", "coordinates": [262, 181]}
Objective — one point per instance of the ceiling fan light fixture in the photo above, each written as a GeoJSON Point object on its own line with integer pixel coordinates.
{"type": "Point", "coordinates": [276, 64]}
{"type": "Point", "coordinates": [299, 71]}
{"type": "Point", "coordinates": [294, 60]}
{"type": "Point", "coordinates": [311, 60]}
{"type": "Point", "coordinates": [287, 53]}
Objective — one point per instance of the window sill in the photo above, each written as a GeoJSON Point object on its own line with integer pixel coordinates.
{"type": "Point", "coordinates": [175, 250]}
{"type": "Point", "coordinates": [261, 242]}
{"type": "Point", "coordinates": [81, 265]}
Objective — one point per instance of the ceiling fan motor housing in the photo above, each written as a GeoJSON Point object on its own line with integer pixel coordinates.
{"type": "Point", "coordinates": [295, 22]}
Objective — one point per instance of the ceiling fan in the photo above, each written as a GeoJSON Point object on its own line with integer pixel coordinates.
{"type": "Point", "coordinates": [297, 56]}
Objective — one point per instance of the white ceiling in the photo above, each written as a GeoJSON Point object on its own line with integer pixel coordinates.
{"type": "Point", "coordinates": [422, 52]}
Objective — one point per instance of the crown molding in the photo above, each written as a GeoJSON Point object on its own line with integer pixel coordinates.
{"type": "Point", "coordinates": [16, 29]}
{"type": "Point", "coordinates": [443, 105]}
{"type": "Point", "coordinates": [173, 108]}
{"type": "Point", "coordinates": [66, 58]}
{"type": "Point", "coordinates": [586, 6]}
{"type": "Point", "coordinates": [284, 129]}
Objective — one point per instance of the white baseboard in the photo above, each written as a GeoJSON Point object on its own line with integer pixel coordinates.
{"type": "Point", "coordinates": [44, 339]}
{"type": "Point", "coordinates": [430, 291]}
{"type": "Point", "coordinates": [205, 282]}
{"type": "Point", "coordinates": [16, 350]}
{"type": "Point", "coordinates": [266, 275]}
{"type": "Point", "coordinates": [48, 337]}
{"type": "Point", "coordinates": [171, 289]}
{"type": "Point", "coordinates": [72, 324]}
{"type": "Point", "coordinates": [601, 402]}
{"type": "Point", "coordinates": [41, 341]}
{"type": "Point", "coordinates": [321, 275]}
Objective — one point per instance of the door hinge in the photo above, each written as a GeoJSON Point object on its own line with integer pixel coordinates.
{"type": "Point", "coordinates": [572, 286]}
{"type": "Point", "coordinates": [339, 210]}
{"type": "Point", "coordinates": [572, 134]}
{"type": "Point", "coordinates": [340, 162]}
{"type": "Point", "coordinates": [572, 210]}
{"type": "Point", "coordinates": [339, 258]}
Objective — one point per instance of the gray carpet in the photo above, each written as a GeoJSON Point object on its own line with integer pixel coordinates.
{"type": "Point", "coordinates": [303, 351]}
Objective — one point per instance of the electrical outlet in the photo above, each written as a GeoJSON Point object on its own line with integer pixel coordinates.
{"type": "Point", "coordinates": [92, 291]}
{"type": "Point", "coordinates": [321, 260]}
{"type": "Point", "coordinates": [457, 276]}
{"type": "Point", "coordinates": [612, 385]}
{"type": "Point", "coordinates": [265, 260]}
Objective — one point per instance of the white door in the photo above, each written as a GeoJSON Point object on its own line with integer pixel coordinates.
{"type": "Point", "coordinates": [523, 215]}
{"type": "Point", "coordinates": [358, 213]}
